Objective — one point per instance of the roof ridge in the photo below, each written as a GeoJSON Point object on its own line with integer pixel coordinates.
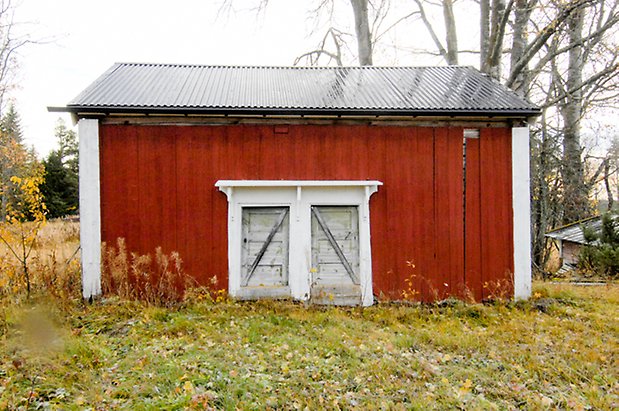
{"type": "Point", "coordinates": [574, 223]}
{"type": "Point", "coordinates": [270, 66]}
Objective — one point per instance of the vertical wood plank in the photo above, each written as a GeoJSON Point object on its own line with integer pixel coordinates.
{"type": "Point", "coordinates": [396, 219]}
{"type": "Point", "coordinates": [119, 185]}
{"type": "Point", "coordinates": [422, 204]}
{"type": "Point", "coordinates": [373, 154]}
{"type": "Point", "coordinates": [157, 189]}
{"type": "Point", "coordinates": [456, 211]}
{"type": "Point", "coordinates": [449, 213]}
{"type": "Point", "coordinates": [194, 166]}
{"type": "Point", "coordinates": [473, 275]}
{"type": "Point", "coordinates": [496, 213]}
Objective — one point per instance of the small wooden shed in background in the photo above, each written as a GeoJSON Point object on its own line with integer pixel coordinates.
{"type": "Point", "coordinates": [570, 239]}
{"type": "Point", "coordinates": [347, 182]}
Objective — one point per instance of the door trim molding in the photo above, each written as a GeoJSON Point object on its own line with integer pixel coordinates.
{"type": "Point", "coordinates": [299, 196]}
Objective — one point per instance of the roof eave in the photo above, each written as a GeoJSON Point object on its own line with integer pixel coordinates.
{"type": "Point", "coordinates": [228, 111]}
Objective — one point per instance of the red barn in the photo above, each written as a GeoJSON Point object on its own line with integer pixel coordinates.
{"type": "Point", "coordinates": [336, 185]}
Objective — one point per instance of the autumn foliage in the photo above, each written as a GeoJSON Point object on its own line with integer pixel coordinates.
{"type": "Point", "coordinates": [156, 279]}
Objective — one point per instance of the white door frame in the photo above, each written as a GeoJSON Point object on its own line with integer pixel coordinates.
{"type": "Point", "coordinates": [283, 228]}
{"type": "Point", "coordinates": [299, 195]}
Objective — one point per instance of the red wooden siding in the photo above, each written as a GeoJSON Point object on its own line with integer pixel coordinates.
{"type": "Point", "coordinates": [497, 248]}
{"type": "Point", "coordinates": [448, 212]}
{"type": "Point", "coordinates": [489, 246]}
{"type": "Point", "coordinates": [472, 261]}
{"type": "Point", "coordinates": [157, 189]}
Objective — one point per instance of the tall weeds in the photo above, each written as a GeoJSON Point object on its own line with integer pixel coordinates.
{"type": "Point", "coordinates": [157, 280]}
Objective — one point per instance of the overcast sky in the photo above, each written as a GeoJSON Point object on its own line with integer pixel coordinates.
{"type": "Point", "coordinates": [84, 38]}
{"type": "Point", "coordinates": [81, 39]}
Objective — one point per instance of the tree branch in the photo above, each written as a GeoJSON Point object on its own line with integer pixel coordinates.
{"type": "Point", "coordinates": [542, 38]}
{"type": "Point", "coordinates": [430, 29]}
{"type": "Point", "coordinates": [611, 22]}
{"type": "Point", "coordinates": [392, 26]}
{"type": "Point", "coordinates": [493, 56]}
{"type": "Point", "coordinates": [611, 70]}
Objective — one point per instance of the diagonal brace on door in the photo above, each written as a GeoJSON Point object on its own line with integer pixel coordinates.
{"type": "Point", "coordinates": [263, 249]}
{"type": "Point", "coordinates": [335, 245]}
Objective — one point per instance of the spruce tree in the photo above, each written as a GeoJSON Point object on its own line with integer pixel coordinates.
{"type": "Point", "coordinates": [10, 125]}
{"type": "Point", "coordinates": [60, 188]}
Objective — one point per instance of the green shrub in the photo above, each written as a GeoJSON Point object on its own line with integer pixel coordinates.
{"type": "Point", "coordinates": [601, 254]}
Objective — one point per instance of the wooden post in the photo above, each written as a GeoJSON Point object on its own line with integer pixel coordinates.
{"type": "Point", "coordinates": [90, 208]}
{"type": "Point", "coordinates": [521, 206]}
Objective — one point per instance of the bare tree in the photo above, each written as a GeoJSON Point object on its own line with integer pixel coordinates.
{"type": "Point", "coordinates": [499, 17]}
{"type": "Point", "coordinates": [367, 18]}
{"type": "Point", "coordinates": [576, 199]}
{"type": "Point", "coordinates": [545, 186]}
{"type": "Point", "coordinates": [10, 44]}
{"type": "Point", "coordinates": [561, 54]}
{"type": "Point", "coordinates": [575, 72]}
{"type": "Point", "coordinates": [312, 58]}
{"type": "Point", "coordinates": [15, 159]}
{"type": "Point", "coordinates": [448, 51]}
{"type": "Point", "coordinates": [520, 37]}
{"type": "Point", "coordinates": [362, 28]}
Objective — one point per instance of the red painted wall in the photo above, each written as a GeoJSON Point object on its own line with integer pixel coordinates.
{"type": "Point", "coordinates": [157, 189]}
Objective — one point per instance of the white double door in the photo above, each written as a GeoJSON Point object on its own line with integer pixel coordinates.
{"type": "Point", "coordinates": [334, 274]}
{"type": "Point", "coordinates": [303, 239]}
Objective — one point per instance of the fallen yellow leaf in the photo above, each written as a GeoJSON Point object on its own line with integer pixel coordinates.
{"type": "Point", "coordinates": [188, 387]}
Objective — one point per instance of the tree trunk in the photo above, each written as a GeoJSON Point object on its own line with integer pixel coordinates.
{"type": "Point", "coordinates": [450, 30]}
{"type": "Point", "coordinates": [519, 44]}
{"type": "Point", "coordinates": [542, 169]}
{"type": "Point", "coordinates": [4, 195]}
{"type": "Point", "coordinates": [484, 31]}
{"type": "Point", "coordinates": [491, 64]}
{"type": "Point", "coordinates": [575, 193]}
{"type": "Point", "coordinates": [362, 28]}
{"type": "Point", "coordinates": [609, 192]}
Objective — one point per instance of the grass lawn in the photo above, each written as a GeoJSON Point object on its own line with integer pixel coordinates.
{"type": "Point", "coordinates": [561, 350]}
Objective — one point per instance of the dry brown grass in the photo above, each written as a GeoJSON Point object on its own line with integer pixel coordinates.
{"type": "Point", "coordinates": [54, 264]}
{"type": "Point", "coordinates": [55, 271]}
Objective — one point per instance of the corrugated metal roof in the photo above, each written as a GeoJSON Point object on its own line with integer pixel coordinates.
{"type": "Point", "coordinates": [574, 232]}
{"type": "Point", "coordinates": [452, 90]}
